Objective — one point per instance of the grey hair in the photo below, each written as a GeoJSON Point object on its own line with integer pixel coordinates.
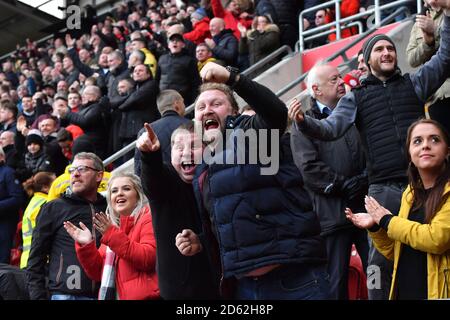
{"type": "Point", "coordinates": [313, 77]}
{"type": "Point", "coordinates": [166, 99]}
{"type": "Point", "coordinates": [137, 185]}
{"type": "Point", "coordinates": [98, 163]}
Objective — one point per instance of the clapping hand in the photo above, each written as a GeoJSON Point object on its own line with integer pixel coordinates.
{"type": "Point", "coordinates": [361, 220]}
{"type": "Point", "coordinates": [102, 222]}
{"type": "Point", "coordinates": [82, 236]}
{"type": "Point", "coordinates": [295, 111]}
{"type": "Point", "coordinates": [375, 209]}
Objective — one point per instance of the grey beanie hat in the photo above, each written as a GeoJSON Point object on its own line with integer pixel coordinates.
{"type": "Point", "coordinates": [368, 45]}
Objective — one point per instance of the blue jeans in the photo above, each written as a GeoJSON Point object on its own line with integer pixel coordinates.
{"type": "Point", "coordinates": [287, 282]}
{"type": "Point", "coordinates": [379, 270]}
{"type": "Point", "coordinates": [69, 297]}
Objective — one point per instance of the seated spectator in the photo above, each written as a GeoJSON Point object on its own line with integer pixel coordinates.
{"type": "Point", "coordinates": [223, 44]}
{"type": "Point", "coordinates": [125, 263]}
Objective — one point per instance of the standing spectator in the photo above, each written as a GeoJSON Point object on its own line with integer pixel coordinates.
{"type": "Point", "coordinates": [90, 118]}
{"type": "Point", "coordinates": [418, 239]}
{"type": "Point", "coordinates": [52, 245]}
{"type": "Point", "coordinates": [423, 44]}
{"type": "Point", "coordinates": [139, 106]}
{"type": "Point", "coordinates": [13, 159]}
{"type": "Point", "coordinates": [180, 277]}
{"type": "Point", "coordinates": [171, 106]}
{"type": "Point", "coordinates": [71, 72]}
{"type": "Point", "coordinates": [125, 262]}
{"type": "Point", "coordinates": [223, 44]}
{"type": "Point", "coordinates": [203, 54]}
{"type": "Point", "coordinates": [279, 238]}
{"type": "Point", "coordinates": [8, 116]}
{"type": "Point", "coordinates": [231, 15]}
{"type": "Point", "coordinates": [37, 187]}
{"type": "Point", "coordinates": [382, 108]}
{"type": "Point", "coordinates": [200, 23]}
{"type": "Point", "coordinates": [11, 200]}
{"type": "Point", "coordinates": [178, 70]}
{"type": "Point", "coordinates": [260, 41]}
{"type": "Point", "coordinates": [334, 183]}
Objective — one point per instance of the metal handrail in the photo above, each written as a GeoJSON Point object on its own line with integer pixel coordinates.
{"type": "Point", "coordinates": [189, 109]}
{"type": "Point", "coordinates": [351, 24]}
{"type": "Point", "coordinates": [337, 23]}
{"type": "Point", "coordinates": [254, 67]}
{"type": "Point", "coordinates": [342, 52]}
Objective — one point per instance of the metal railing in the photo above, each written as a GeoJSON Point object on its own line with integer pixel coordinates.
{"type": "Point", "coordinates": [339, 23]}
{"type": "Point", "coordinates": [284, 49]}
{"type": "Point", "coordinates": [343, 52]}
{"type": "Point", "coordinates": [348, 25]}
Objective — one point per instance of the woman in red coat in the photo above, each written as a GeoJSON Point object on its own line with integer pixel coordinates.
{"type": "Point", "coordinates": [125, 261]}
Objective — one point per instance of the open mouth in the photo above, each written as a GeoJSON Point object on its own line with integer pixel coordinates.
{"type": "Point", "coordinates": [211, 124]}
{"type": "Point", "coordinates": [120, 201]}
{"type": "Point", "coordinates": [188, 167]}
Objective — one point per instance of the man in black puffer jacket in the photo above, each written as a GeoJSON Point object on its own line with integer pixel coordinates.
{"type": "Point", "coordinates": [267, 232]}
{"type": "Point", "coordinates": [66, 278]}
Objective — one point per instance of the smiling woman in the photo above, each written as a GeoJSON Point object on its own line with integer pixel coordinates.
{"type": "Point", "coordinates": [420, 235]}
{"type": "Point", "coordinates": [125, 262]}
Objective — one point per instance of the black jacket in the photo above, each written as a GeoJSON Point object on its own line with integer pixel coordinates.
{"type": "Point", "coordinates": [65, 274]}
{"type": "Point", "coordinates": [179, 72]}
{"type": "Point", "coordinates": [226, 48]}
{"type": "Point", "coordinates": [163, 128]}
{"type": "Point", "coordinates": [173, 209]}
{"type": "Point", "coordinates": [334, 182]}
{"type": "Point", "coordinates": [139, 107]}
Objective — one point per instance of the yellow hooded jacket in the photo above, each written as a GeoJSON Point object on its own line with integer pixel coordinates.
{"type": "Point", "coordinates": [432, 238]}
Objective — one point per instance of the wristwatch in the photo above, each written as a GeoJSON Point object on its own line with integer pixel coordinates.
{"type": "Point", "coordinates": [234, 72]}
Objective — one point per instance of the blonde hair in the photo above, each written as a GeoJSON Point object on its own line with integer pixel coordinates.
{"type": "Point", "coordinates": [137, 185]}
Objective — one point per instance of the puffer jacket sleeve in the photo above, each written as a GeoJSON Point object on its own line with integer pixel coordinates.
{"type": "Point", "coordinates": [91, 259]}
{"type": "Point", "coordinates": [141, 254]}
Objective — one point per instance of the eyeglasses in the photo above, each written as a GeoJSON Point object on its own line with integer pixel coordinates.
{"type": "Point", "coordinates": [81, 169]}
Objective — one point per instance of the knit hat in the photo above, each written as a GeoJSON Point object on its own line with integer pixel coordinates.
{"type": "Point", "coordinates": [34, 136]}
{"type": "Point", "coordinates": [198, 14]}
{"type": "Point", "coordinates": [370, 43]}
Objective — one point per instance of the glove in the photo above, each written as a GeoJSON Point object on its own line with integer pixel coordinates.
{"type": "Point", "coordinates": [104, 102]}
{"type": "Point", "coordinates": [355, 186]}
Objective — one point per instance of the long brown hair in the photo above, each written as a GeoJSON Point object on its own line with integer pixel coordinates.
{"type": "Point", "coordinates": [434, 200]}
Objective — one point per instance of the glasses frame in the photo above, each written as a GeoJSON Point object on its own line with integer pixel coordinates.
{"type": "Point", "coordinates": [81, 169]}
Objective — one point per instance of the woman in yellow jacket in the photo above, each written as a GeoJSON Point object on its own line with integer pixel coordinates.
{"type": "Point", "coordinates": [418, 239]}
{"type": "Point", "coordinates": [37, 187]}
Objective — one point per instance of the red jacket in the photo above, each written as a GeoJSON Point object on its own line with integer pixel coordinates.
{"type": "Point", "coordinates": [348, 8]}
{"type": "Point", "coordinates": [135, 249]}
{"type": "Point", "coordinates": [200, 31]}
{"type": "Point", "coordinates": [231, 21]}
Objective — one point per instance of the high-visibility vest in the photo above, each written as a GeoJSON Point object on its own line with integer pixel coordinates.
{"type": "Point", "coordinates": [61, 183]}
{"type": "Point", "coordinates": [28, 224]}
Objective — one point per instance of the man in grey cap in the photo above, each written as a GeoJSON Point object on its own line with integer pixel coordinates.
{"type": "Point", "coordinates": [382, 109]}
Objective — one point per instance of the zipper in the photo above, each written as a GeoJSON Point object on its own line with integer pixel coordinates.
{"type": "Point", "coordinates": [61, 262]}
{"type": "Point", "coordinates": [93, 283]}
